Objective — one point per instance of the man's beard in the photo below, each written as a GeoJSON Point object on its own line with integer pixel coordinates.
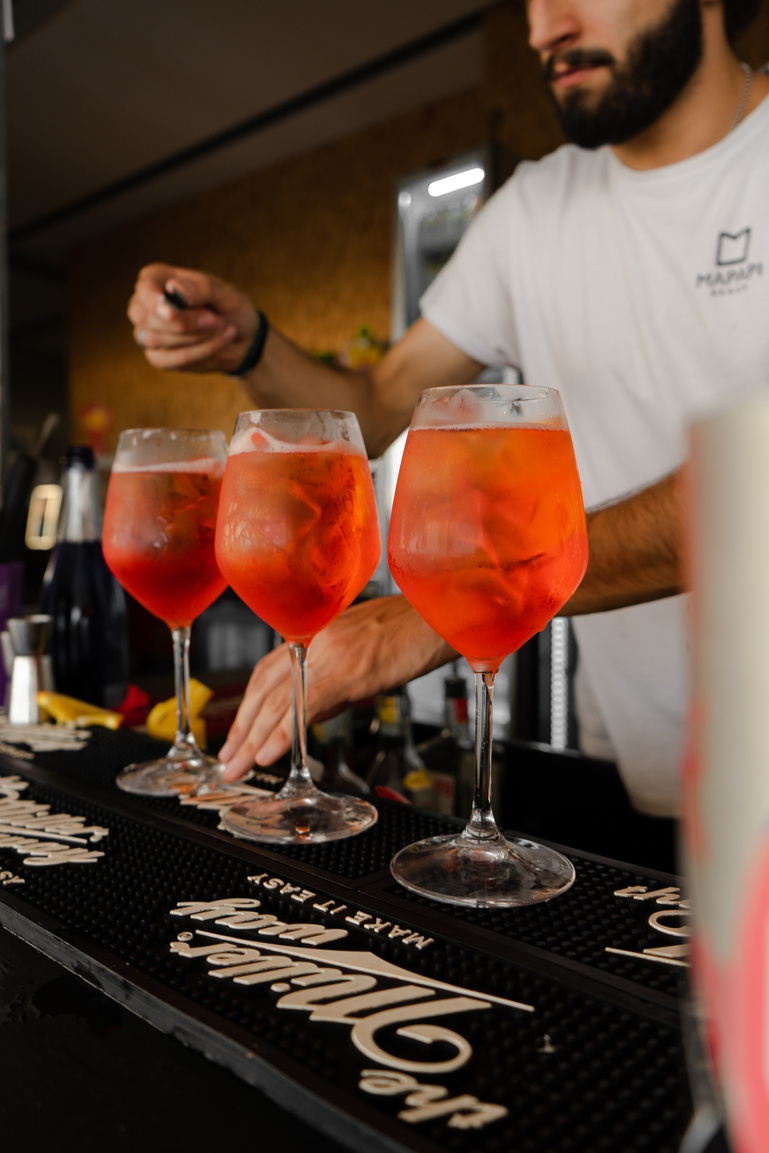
{"type": "Point", "coordinates": [660, 62]}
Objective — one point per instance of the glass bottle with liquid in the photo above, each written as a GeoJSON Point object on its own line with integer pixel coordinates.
{"type": "Point", "coordinates": [89, 640]}
{"type": "Point", "coordinates": [333, 742]}
{"type": "Point", "coordinates": [449, 755]}
{"type": "Point", "coordinates": [397, 770]}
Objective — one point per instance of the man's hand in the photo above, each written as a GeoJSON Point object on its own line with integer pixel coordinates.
{"type": "Point", "coordinates": [211, 333]}
{"type": "Point", "coordinates": [371, 647]}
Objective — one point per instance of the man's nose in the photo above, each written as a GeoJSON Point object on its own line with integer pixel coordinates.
{"type": "Point", "coordinates": [552, 24]}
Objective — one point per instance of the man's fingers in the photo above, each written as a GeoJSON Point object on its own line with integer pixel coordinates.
{"type": "Point", "coordinates": [254, 750]}
{"type": "Point", "coordinates": [198, 326]}
{"type": "Point", "coordinates": [192, 353]}
{"type": "Point", "coordinates": [198, 290]}
{"type": "Point", "coordinates": [278, 742]}
{"type": "Point", "coordinates": [206, 327]}
{"type": "Point", "coordinates": [267, 674]}
{"type": "Point", "coordinates": [192, 286]}
{"type": "Point", "coordinates": [176, 322]}
{"type": "Point", "coordinates": [262, 736]}
{"type": "Point", "coordinates": [147, 338]}
{"type": "Point", "coordinates": [266, 700]}
{"type": "Point", "coordinates": [136, 311]}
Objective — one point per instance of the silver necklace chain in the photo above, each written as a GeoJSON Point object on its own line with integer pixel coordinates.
{"type": "Point", "coordinates": [745, 94]}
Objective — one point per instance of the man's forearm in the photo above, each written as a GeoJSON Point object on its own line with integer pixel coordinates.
{"type": "Point", "coordinates": [383, 397]}
{"type": "Point", "coordinates": [287, 377]}
{"type": "Point", "coordinates": [634, 550]}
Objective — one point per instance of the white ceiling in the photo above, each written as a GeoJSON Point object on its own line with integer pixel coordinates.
{"type": "Point", "coordinates": [102, 89]}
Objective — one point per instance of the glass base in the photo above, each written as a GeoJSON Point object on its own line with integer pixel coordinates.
{"type": "Point", "coordinates": [182, 772]}
{"type": "Point", "coordinates": [299, 817]}
{"type": "Point", "coordinates": [464, 870]}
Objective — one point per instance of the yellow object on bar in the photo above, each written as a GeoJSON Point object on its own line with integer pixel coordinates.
{"type": "Point", "coordinates": [69, 711]}
{"type": "Point", "coordinates": [161, 722]}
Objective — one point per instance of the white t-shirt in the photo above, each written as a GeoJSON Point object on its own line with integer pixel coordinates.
{"type": "Point", "coordinates": [644, 298]}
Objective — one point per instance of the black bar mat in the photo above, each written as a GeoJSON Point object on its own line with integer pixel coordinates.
{"type": "Point", "coordinates": [312, 975]}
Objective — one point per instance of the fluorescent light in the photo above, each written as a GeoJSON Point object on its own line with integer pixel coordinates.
{"type": "Point", "coordinates": [458, 180]}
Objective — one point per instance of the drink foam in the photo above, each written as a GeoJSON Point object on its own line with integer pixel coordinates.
{"type": "Point", "coordinates": [243, 442]}
{"type": "Point", "coordinates": [207, 465]}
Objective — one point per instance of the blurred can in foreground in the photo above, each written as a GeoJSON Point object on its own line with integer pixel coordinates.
{"type": "Point", "coordinates": [725, 802]}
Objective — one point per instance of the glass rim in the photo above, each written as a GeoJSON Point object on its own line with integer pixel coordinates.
{"type": "Point", "coordinates": [292, 427]}
{"type": "Point", "coordinates": [489, 405]}
{"type": "Point", "coordinates": [527, 391]}
{"type": "Point", "coordinates": [173, 428]}
{"type": "Point", "coordinates": [297, 410]}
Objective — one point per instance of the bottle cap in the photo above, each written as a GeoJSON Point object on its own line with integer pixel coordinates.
{"type": "Point", "coordinates": [81, 454]}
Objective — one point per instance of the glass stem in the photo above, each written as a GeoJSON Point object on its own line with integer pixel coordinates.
{"type": "Point", "coordinates": [181, 637]}
{"type": "Point", "coordinates": [300, 773]}
{"type": "Point", "coordinates": [482, 825]}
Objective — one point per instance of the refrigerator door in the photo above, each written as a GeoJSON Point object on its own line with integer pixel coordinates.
{"type": "Point", "coordinates": [434, 209]}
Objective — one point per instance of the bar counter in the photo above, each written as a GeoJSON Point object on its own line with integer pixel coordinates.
{"type": "Point", "coordinates": [162, 981]}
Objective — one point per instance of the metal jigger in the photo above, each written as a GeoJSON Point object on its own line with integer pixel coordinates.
{"type": "Point", "coordinates": [31, 670]}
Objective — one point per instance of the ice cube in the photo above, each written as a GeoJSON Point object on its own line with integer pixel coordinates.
{"type": "Point", "coordinates": [510, 528]}
{"type": "Point", "coordinates": [332, 559]}
{"type": "Point", "coordinates": [286, 514]}
{"type": "Point", "coordinates": [265, 441]}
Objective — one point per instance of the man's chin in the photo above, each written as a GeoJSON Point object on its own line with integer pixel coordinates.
{"type": "Point", "coordinates": [586, 94]}
{"type": "Point", "coordinates": [580, 104]}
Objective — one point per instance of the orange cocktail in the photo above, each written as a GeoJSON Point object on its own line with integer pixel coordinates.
{"type": "Point", "coordinates": [158, 540]}
{"type": "Point", "coordinates": [159, 525]}
{"type": "Point", "coordinates": [488, 540]}
{"type": "Point", "coordinates": [297, 537]}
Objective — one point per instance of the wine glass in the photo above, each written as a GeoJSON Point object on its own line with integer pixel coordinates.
{"type": "Point", "coordinates": [297, 538]}
{"type": "Point", "coordinates": [487, 541]}
{"type": "Point", "coordinates": [158, 540]}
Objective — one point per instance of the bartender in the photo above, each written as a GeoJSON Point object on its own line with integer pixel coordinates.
{"type": "Point", "coordinates": [626, 269]}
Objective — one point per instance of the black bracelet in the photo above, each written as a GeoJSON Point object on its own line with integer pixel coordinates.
{"type": "Point", "coordinates": [255, 349]}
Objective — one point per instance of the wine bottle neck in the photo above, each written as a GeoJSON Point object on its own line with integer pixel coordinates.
{"type": "Point", "coordinates": [394, 716]}
{"type": "Point", "coordinates": [455, 708]}
{"type": "Point", "coordinates": [81, 518]}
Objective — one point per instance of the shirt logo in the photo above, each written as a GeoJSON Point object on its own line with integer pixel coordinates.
{"type": "Point", "coordinates": [733, 249]}
{"type": "Point", "coordinates": [733, 271]}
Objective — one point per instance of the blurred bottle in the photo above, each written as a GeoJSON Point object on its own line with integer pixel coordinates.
{"type": "Point", "coordinates": [450, 755]}
{"type": "Point", "coordinates": [333, 740]}
{"type": "Point", "coordinates": [397, 766]}
{"type": "Point", "coordinates": [89, 640]}
{"type": "Point", "coordinates": [724, 779]}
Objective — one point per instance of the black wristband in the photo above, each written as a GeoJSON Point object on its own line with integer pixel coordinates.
{"type": "Point", "coordinates": [255, 349]}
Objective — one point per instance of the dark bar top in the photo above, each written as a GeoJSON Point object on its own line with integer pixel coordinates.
{"type": "Point", "coordinates": [160, 977]}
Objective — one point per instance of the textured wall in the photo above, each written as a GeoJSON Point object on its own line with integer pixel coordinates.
{"type": "Point", "coordinates": [310, 240]}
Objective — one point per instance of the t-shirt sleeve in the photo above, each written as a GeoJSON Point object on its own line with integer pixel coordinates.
{"type": "Point", "coordinates": [470, 300]}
